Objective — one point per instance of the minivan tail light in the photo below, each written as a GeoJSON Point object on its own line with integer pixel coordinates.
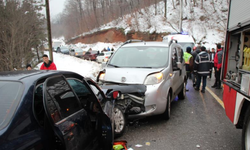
{"type": "Point", "coordinates": [154, 78]}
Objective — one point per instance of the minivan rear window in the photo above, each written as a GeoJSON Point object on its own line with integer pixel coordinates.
{"type": "Point", "coordinates": [11, 93]}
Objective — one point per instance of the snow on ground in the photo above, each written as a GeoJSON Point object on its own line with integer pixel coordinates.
{"type": "Point", "coordinates": [74, 64]}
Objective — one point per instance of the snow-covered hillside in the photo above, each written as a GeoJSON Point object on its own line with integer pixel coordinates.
{"type": "Point", "coordinates": [207, 25]}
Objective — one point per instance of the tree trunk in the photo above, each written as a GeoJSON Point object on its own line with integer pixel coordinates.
{"type": "Point", "coordinates": [166, 4]}
{"type": "Point", "coordinates": [94, 7]}
{"type": "Point", "coordinates": [213, 5]}
{"type": "Point", "coordinates": [194, 1]}
{"type": "Point", "coordinates": [155, 7]}
{"type": "Point", "coordinates": [173, 4]}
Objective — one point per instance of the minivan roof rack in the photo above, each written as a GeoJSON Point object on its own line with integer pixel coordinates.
{"type": "Point", "coordinates": [132, 41]}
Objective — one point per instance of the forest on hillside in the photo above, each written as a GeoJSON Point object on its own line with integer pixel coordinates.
{"type": "Point", "coordinates": [81, 16]}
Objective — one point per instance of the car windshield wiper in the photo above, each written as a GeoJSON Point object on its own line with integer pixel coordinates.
{"type": "Point", "coordinates": [114, 65]}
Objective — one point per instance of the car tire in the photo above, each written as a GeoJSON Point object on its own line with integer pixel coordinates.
{"type": "Point", "coordinates": [246, 131]}
{"type": "Point", "coordinates": [120, 122]}
{"type": "Point", "coordinates": [182, 93]}
{"type": "Point", "coordinates": [167, 112]}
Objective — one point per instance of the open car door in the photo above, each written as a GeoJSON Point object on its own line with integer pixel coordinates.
{"type": "Point", "coordinates": [69, 120]}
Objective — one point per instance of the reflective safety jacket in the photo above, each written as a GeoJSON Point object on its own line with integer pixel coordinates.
{"type": "Point", "coordinates": [187, 57]}
{"type": "Point", "coordinates": [203, 64]}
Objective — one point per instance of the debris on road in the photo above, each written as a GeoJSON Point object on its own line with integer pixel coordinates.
{"type": "Point", "coordinates": [138, 145]}
{"type": "Point", "coordinates": [148, 143]}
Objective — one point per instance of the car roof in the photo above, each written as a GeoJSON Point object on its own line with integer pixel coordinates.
{"type": "Point", "coordinates": [157, 44]}
{"type": "Point", "coordinates": [31, 75]}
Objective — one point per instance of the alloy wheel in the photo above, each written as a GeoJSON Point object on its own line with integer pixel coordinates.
{"type": "Point", "coordinates": [119, 120]}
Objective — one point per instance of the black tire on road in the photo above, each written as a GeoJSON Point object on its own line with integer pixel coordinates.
{"type": "Point", "coordinates": [167, 112]}
{"type": "Point", "coordinates": [246, 131]}
{"type": "Point", "coordinates": [120, 121]}
{"type": "Point", "coordinates": [182, 93]}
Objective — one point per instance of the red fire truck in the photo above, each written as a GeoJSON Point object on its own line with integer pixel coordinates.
{"type": "Point", "coordinates": [236, 68]}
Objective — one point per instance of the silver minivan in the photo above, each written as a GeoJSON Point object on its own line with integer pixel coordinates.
{"type": "Point", "coordinates": [151, 74]}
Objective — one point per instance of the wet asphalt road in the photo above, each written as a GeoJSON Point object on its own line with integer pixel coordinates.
{"type": "Point", "coordinates": [197, 122]}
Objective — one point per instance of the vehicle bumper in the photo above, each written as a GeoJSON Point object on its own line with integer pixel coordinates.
{"type": "Point", "coordinates": [155, 98]}
{"type": "Point", "coordinates": [155, 101]}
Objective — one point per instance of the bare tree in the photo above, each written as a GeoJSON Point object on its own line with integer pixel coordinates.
{"type": "Point", "coordinates": [22, 30]}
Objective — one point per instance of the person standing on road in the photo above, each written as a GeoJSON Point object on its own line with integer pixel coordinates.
{"type": "Point", "coordinates": [202, 68]}
{"type": "Point", "coordinates": [47, 64]}
{"type": "Point", "coordinates": [217, 67]}
{"type": "Point", "coordinates": [195, 52]}
{"type": "Point", "coordinates": [188, 62]}
{"type": "Point", "coordinates": [212, 55]}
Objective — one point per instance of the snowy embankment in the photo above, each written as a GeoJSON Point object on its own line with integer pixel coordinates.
{"type": "Point", "coordinates": [74, 64]}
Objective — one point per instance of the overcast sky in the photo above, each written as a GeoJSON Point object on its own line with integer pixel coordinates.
{"type": "Point", "coordinates": [56, 7]}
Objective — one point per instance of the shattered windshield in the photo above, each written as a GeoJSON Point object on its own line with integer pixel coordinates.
{"type": "Point", "coordinates": [140, 57]}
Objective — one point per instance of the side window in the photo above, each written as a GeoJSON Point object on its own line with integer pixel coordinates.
{"type": "Point", "coordinates": [180, 55]}
{"type": "Point", "coordinates": [82, 91]}
{"type": "Point", "coordinates": [61, 101]}
{"type": "Point", "coordinates": [174, 58]}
